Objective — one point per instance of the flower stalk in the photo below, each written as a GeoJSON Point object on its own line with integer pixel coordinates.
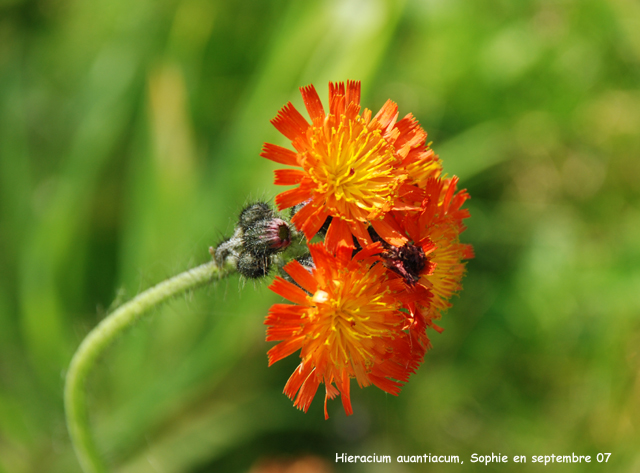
{"type": "Point", "coordinates": [102, 336]}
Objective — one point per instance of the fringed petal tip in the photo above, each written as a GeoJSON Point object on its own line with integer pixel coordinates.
{"type": "Point", "coordinates": [307, 393]}
{"type": "Point", "coordinates": [309, 219]}
{"type": "Point", "coordinates": [288, 177]}
{"type": "Point", "coordinates": [468, 252]}
{"type": "Point", "coordinates": [290, 122]}
{"type": "Point", "coordinates": [279, 154]}
{"type": "Point", "coordinates": [330, 393]}
{"type": "Point", "coordinates": [313, 104]}
{"type": "Point", "coordinates": [289, 291]}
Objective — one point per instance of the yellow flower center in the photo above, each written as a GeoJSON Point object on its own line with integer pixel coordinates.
{"type": "Point", "coordinates": [349, 315]}
{"type": "Point", "coordinates": [353, 168]}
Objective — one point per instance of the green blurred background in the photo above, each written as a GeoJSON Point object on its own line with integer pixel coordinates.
{"type": "Point", "coordinates": [129, 141]}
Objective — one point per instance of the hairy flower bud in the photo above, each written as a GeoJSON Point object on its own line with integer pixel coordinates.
{"type": "Point", "coordinates": [267, 237]}
{"type": "Point", "coordinates": [228, 249]}
{"type": "Point", "coordinates": [257, 239]}
{"type": "Point", "coordinates": [252, 266]}
{"type": "Point", "coordinates": [254, 213]}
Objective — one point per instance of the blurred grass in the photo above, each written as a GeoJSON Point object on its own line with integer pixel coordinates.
{"type": "Point", "coordinates": [129, 139]}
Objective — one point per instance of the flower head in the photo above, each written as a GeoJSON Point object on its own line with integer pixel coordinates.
{"type": "Point", "coordinates": [432, 262]}
{"type": "Point", "coordinates": [346, 322]}
{"type": "Point", "coordinates": [354, 168]}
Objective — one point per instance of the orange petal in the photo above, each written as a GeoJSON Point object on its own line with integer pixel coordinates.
{"type": "Point", "coordinates": [359, 230]}
{"type": "Point", "coordinates": [307, 392]}
{"type": "Point", "coordinates": [284, 349]}
{"type": "Point", "coordinates": [353, 92]}
{"type": "Point", "coordinates": [336, 98]}
{"type": "Point", "coordinates": [330, 392]}
{"type": "Point", "coordinates": [410, 224]}
{"type": "Point", "coordinates": [413, 193]}
{"type": "Point", "coordinates": [437, 328]}
{"type": "Point", "coordinates": [393, 370]}
{"type": "Point", "coordinates": [389, 231]}
{"type": "Point", "coordinates": [313, 104]}
{"type": "Point", "coordinates": [320, 256]}
{"type": "Point", "coordinates": [288, 177]}
{"type": "Point", "coordinates": [281, 312]}
{"type": "Point", "coordinates": [387, 114]}
{"type": "Point", "coordinates": [344, 253]}
{"type": "Point", "coordinates": [296, 379]}
{"type": "Point", "coordinates": [314, 223]}
{"type": "Point", "coordinates": [344, 385]}
{"type": "Point", "coordinates": [289, 291]}
{"type": "Point", "coordinates": [290, 123]}
{"type": "Point", "coordinates": [450, 192]}
{"type": "Point", "coordinates": [279, 154]}
{"type": "Point", "coordinates": [338, 235]}
{"type": "Point", "coordinates": [291, 197]}
{"type": "Point", "coordinates": [285, 314]}
{"type": "Point", "coordinates": [411, 133]}
{"type": "Point", "coordinates": [468, 252]}
{"type": "Point", "coordinates": [387, 385]}
{"type": "Point", "coordinates": [280, 332]}
{"type": "Point", "coordinates": [309, 219]}
{"type": "Point", "coordinates": [352, 111]}
{"type": "Point", "coordinates": [300, 275]}
{"type": "Point", "coordinates": [368, 251]}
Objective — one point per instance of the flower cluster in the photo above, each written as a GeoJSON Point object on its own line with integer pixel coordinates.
{"type": "Point", "coordinates": [372, 192]}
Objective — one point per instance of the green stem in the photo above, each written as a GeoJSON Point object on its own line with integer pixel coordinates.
{"type": "Point", "coordinates": [101, 337]}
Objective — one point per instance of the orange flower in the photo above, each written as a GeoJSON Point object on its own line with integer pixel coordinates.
{"type": "Point", "coordinates": [347, 324]}
{"type": "Point", "coordinates": [353, 167]}
{"type": "Point", "coordinates": [431, 263]}
{"type": "Point", "coordinates": [442, 219]}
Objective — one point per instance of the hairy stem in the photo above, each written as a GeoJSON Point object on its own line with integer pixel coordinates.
{"type": "Point", "coordinates": [101, 337]}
